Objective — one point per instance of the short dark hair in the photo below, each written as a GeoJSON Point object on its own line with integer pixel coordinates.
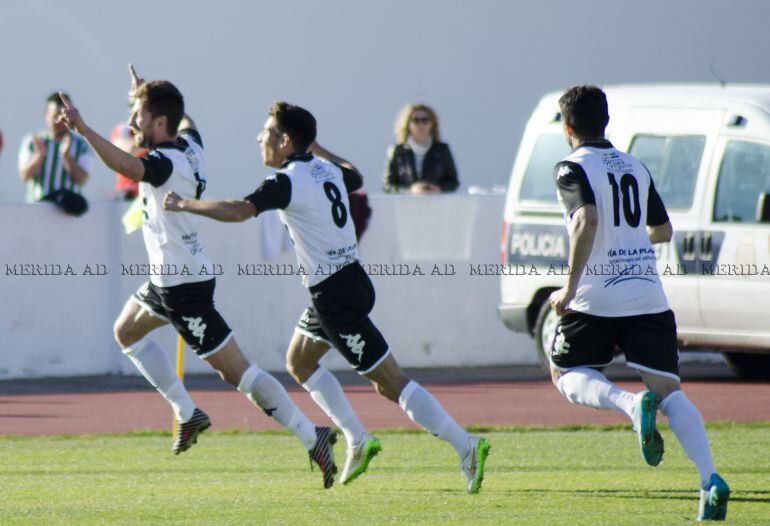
{"type": "Point", "coordinates": [298, 123]}
{"type": "Point", "coordinates": [56, 97]}
{"type": "Point", "coordinates": [161, 98]}
{"type": "Point", "coordinates": [584, 108]}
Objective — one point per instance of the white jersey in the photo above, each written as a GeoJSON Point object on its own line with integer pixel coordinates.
{"type": "Point", "coordinates": [311, 195]}
{"type": "Point", "coordinates": [175, 251]}
{"type": "Point", "coordinates": [621, 273]}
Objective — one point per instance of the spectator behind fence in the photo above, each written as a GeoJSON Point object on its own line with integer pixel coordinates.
{"type": "Point", "coordinates": [419, 163]}
{"type": "Point", "coordinates": [55, 163]}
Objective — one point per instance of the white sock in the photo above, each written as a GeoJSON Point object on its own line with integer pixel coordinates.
{"type": "Point", "coordinates": [327, 393]}
{"type": "Point", "coordinates": [425, 411]}
{"type": "Point", "coordinates": [153, 363]}
{"type": "Point", "coordinates": [268, 394]}
{"type": "Point", "coordinates": [589, 387]}
{"type": "Point", "coordinates": [687, 424]}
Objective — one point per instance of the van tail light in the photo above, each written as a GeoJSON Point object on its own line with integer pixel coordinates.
{"type": "Point", "coordinates": [503, 244]}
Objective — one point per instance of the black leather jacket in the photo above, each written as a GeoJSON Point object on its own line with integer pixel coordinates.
{"type": "Point", "coordinates": [438, 168]}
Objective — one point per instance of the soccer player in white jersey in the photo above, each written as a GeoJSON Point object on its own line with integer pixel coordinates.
{"type": "Point", "coordinates": [175, 162]}
{"type": "Point", "coordinates": [310, 193]}
{"type": "Point", "coordinates": [614, 295]}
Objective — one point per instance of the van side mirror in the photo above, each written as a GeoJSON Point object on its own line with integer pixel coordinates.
{"type": "Point", "coordinates": [763, 208]}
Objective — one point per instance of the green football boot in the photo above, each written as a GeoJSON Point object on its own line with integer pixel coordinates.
{"type": "Point", "coordinates": [713, 500]}
{"type": "Point", "coordinates": [359, 457]}
{"type": "Point", "coordinates": [650, 441]}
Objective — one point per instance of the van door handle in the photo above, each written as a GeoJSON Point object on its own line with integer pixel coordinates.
{"type": "Point", "coordinates": [688, 247]}
{"type": "Point", "coordinates": [706, 252]}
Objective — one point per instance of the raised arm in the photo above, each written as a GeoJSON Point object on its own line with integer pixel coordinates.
{"type": "Point", "coordinates": [118, 160]}
{"type": "Point", "coordinates": [187, 123]}
{"type": "Point", "coordinates": [350, 174]}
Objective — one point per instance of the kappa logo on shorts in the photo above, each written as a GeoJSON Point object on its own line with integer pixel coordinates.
{"type": "Point", "coordinates": [560, 344]}
{"type": "Point", "coordinates": [196, 327]}
{"type": "Point", "coordinates": [355, 343]}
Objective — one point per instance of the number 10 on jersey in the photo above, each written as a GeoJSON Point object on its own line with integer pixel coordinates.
{"type": "Point", "coordinates": [630, 191]}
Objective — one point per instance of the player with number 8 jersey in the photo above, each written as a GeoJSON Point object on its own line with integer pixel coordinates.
{"type": "Point", "coordinates": [310, 193]}
{"type": "Point", "coordinates": [315, 193]}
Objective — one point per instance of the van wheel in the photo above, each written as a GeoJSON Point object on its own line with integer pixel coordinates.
{"type": "Point", "coordinates": [748, 365]}
{"type": "Point", "coordinates": [545, 332]}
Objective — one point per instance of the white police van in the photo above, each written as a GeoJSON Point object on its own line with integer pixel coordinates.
{"type": "Point", "coordinates": [708, 149]}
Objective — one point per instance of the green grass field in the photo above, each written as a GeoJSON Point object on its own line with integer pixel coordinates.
{"type": "Point", "coordinates": [548, 476]}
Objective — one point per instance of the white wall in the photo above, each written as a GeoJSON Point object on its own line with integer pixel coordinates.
{"type": "Point", "coordinates": [62, 325]}
{"type": "Point", "coordinates": [482, 64]}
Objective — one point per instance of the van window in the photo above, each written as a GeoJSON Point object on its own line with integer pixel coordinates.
{"type": "Point", "coordinates": [743, 175]}
{"type": "Point", "coordinates": [673, 162]}
{"type": "Point", "coordinates": [537, 185]}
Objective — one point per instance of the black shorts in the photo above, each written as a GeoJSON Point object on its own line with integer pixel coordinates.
{"type": "Point", "coordinates": [648, 342]}
{"type": "Point", "coordinates": [340, 316]}
{"type": "Point", "coordinates": [310, 326]}
{"type": "Point", "coordinates": [190, 309]}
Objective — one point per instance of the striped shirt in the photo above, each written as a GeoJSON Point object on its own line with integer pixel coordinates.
{"type": "Point", "coordinates": [53, 175]}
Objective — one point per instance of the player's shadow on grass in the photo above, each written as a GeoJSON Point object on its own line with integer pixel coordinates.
{"type": "Point", "coordinates": [663, 494]}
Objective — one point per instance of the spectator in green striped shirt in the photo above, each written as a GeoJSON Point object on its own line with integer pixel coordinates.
{"type": "Point", "coordinates": [54, 159]}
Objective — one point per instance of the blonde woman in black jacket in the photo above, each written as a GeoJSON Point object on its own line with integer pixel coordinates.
{"type": "Point", "coordinates": [420, 163]}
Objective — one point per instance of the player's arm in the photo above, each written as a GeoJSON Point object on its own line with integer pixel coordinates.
{"type": "Point", "coordinates": [582, 232]}
{"type": "Point", "coordinates": [118, 160]}
{"type": "Point", "coordinates": [187, 123]}
{"type": "Point", "coordinates": [187, 127]}
{"type": "Point", "coordinates": [579, 201]}
{"type": "Point", "coordinates": [273, 193]}
{"type": "Point", "coordinates": [227, 210]}
{"type": "Point", "coordinates": [659, 228]}
{"type": "Point", "coordinates": [350, 174]}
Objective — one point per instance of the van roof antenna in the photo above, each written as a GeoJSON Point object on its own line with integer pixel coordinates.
{"type": "Point", "coordinates": [713, 70]}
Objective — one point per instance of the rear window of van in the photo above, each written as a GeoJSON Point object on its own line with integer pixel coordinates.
{"type": "Point", "coordinates": [537, 184]}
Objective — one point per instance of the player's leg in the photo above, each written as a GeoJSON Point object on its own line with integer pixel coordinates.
{"type": "Point", "coordinates": [263, 390]}
{"type": "Point", "coordinates": [193, 314]}
{"type": "Point", "coordinates": [687, 425]}
{"type": "Point", "coordinates": [342, 303]}
{"type": "Point", "coordinates": [584, 342]}
{"type": "Point", "coordinates": [142, 314]}
{"type": "Point", "coordinates": [267, 393]}
{"type": "Point", "coordinates": [308, 345]}
{"type": "Point", "coordinates": [652, 350]}
{"type": "Point", "coordinates": [423, 409]}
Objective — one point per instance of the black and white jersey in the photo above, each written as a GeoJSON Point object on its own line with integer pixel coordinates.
{"type": "Point", "coordinates": [311, 196]}
{"type": "Point", "coordinates": [621, 275]}
{"type": "Point", "coordinates": [171, 238]}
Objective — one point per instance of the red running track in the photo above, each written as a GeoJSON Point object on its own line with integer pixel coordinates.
{"type": "Point", "coordinates": [519, 403]}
